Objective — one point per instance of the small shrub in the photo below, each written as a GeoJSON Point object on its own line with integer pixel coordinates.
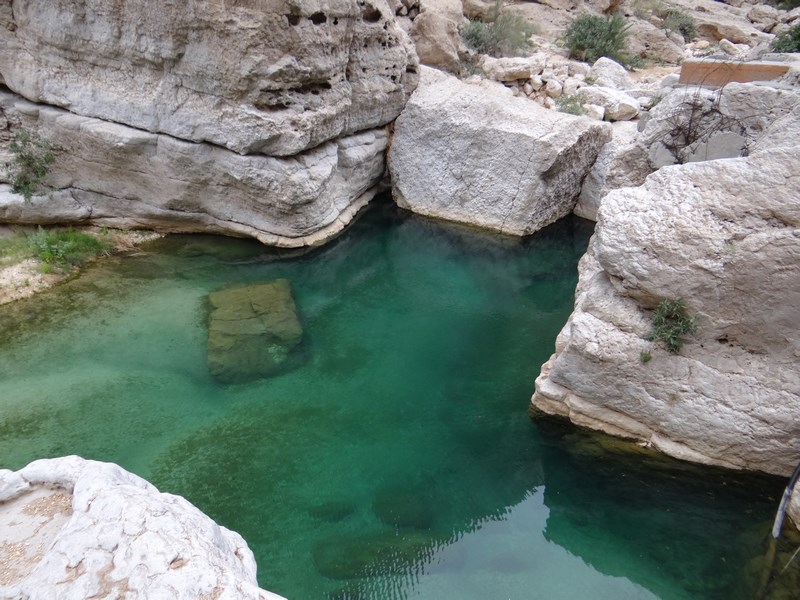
{"type": "Point", "coordinates": [677, 20]}
{"type": "Point", "coordinates": [644, 9]}
{"type": "Point", "coordinates": [789, 41]}
{"type": "Point", "coordinates": [30, 165]}
{"type": "Point", "coordinates": [671, 321]}
{"type": "Point", "coordinates": [503, 33]}
{"type": "Point", "coordinates": [571, 104]}
{"type": "Point", "coordinates": [64, 249]}
{"type": "Point", "coordinates": [590, 37]}
{"type": "Point", "coordinates": [645, 356]}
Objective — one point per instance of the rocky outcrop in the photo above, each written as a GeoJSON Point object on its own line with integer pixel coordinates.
{"type": "Point", "coordinates": [724, 236]}
{"type": "Point", "coordinates": [73, 529]}
{"type": "Point", "coordinates": [252, 330]}
{"type": "Point", "coordinates": [114, 175]}
{"type": "Point", "coordinates": [472, 153]}
{"type": "Point", "coordinates": [243, 120]}
{"type": "Point", "coordinates": [255, 78]}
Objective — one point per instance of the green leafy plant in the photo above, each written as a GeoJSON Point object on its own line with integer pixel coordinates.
{"type": "Point", "coordinates": [572, 105]}
{"type": "Point", "coordinates": [30, 165]}
{"type": "Point", "coordinates": [502, 33]}
{"type": "Point", "coordinates": [64, 249]}
{"type": "Point", "coordinates": [645, 356]}
{"type": "Point", "coordinates": [672, 321]}
{"type": "Point", "coordinates": [590, 37]}
{"type": "Point", "coordinates": [676, 20]}
{"type": "Point", "coordinates": [789, 41]}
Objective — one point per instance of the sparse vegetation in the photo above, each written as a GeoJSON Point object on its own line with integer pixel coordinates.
{"type": "Point", "coordinates": [676, 20]}
{"type": "Point", "coordinates": [672, 321]}
{"type": "Point", "coordinates": [590, 37]}
{"type": "Point", "coordinates": [789, 41]}
{"type": "Point", "coordinates": [502, 33]}
{"type": "Point", "coordinates": [30, 165]}
{"type": "Point", "coordinates": [62, 250]}
{"type": "Point", "coordinates": [571, 104]}
{"type": "Point", "coordinates": [645, 356]}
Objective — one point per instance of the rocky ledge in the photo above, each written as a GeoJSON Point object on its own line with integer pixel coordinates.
{"type": "Point", "coordinates": [723, 235]}
{"type": "Point", "coordinates": [264, 121]}
{"type": "Point", "coordinates": [72, 529]}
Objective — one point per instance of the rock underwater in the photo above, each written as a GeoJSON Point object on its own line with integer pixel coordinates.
{"type": "Point", "coordinates": [252, 331]}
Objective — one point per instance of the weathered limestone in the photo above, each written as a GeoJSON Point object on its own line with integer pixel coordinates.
{"type": "Point", "coordinates": [252, 77]}
{"type": "Point", "coordinates": [434, 32]}
{"type": "Point", "coordinates": [474, 154]}
{"type": "Point", "coordinates": [252, 330]}
{"type": "Point", "coordinates": [73, 529]}
{"type": "Point", "coordinates": [611, 74]}
{"type": "Point", "coordinates": [618, 105]}
{"type": "Point", "coordinates": [113, 175]}
{"type": "Point", "coordinates": [723, 235]}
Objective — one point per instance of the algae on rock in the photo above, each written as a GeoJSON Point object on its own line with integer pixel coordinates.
{"type": "Point", "coordinates": [252, 331]}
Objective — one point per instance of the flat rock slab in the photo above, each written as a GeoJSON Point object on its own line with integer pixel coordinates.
{"type": "Point", "coordinates": [252, 331]}
{"type": "Point", "coordinates": [718, 72]}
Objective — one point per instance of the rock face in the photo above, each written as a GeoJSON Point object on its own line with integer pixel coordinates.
{"type": "Point", "coordinates": [723, 235]}
{"type": "Point", "coordinates": [247, 120]}
{"type": "Point", "coordinates": [270, 78]}
{"type": "Point", "coordinates": [114, 175]}
{"type": "Point", "coordinates": [252, 330]}
{"type": "Point", "coordinates": [474, 154]}
{"type": "Point", "coordinates": [73, 529]}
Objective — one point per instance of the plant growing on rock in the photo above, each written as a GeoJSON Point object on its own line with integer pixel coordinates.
{"type": "Point", "coordinates": [30, 165]}
{"type": "Point", "coordinates": [590, 37]}
{"type": "Point", "coordinates": [789, 41]}
{"type": "Point", "coordinates": [572, 105]}
{"type": "Point", "coordinates": [502, 33]}
{"type": "Point", "coordinates": [672, 321]}
{"type": "Point", "coordinates": [64, 249]}
{"type": "Point", "coordinates": [677, 20]}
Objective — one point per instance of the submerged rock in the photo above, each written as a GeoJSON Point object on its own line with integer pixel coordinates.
{"type": "Point", "coordinates": [73, 529]}
{"type": "Point", "coordinates": [252, 331]}
{"type": "Point", "coordinates": [477, 155]}
{"type": "Point", "coordinates": [404, 506]}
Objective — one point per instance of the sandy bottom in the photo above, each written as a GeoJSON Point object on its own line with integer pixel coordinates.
{"type": "Point", "coordinates": [28, 525]}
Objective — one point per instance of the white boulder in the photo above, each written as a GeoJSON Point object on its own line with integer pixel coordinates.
{"type": "Point", "coordinates": [618, 105]}
{"type": "Point", "coordinates": [610, 74]}
{"type": "Point", "coordinates": [73, 529]}
{"type": "Point", "coordinates": [474, 154]}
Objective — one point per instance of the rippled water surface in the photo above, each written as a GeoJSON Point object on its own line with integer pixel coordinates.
{"type": "Point", "coordinates": [397, 460]}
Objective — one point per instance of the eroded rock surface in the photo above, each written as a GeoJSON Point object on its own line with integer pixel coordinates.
{"type": "Point", "coordinates": [268, 78]}
{"type": "Point", "coordinates": [72, 529]}
{"type": "Point", "coordinates": [473, 153]}
{"type": "Point", "coordinates": [252, 330]}
{"type": "Point", "coordinates": [724, 235]}
{"type": "Point", "coordinates": [110, 174]}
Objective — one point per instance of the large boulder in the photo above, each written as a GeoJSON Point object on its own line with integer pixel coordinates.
{"type": "Point", "coordinates": [269, 78]}
{"type": "Point", "coordinates": [114, 175]}
{"type": "Point", "coordinates": [435, 33]}
{"type": "Point", "coordinates": [473, 153]}
{"type": "Point", "coordinates": [252, 331]}
{"type": "Point", "coordinates": [73, 529]}
{"type": "Point", "coordinates": [723, 236]}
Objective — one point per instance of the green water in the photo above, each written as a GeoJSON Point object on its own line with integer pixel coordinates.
{"type": "Point", "coordinates": [397, 461]}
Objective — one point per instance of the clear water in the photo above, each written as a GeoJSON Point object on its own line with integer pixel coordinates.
{"type": "Point", "coordinates": [398, 460]}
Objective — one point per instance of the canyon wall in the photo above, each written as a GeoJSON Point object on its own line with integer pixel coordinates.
{"type": "Point", "coordinates": [260, 118]}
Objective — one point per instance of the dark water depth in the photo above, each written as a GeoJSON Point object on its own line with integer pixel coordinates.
{"type": "Point", "coordinates": [397, 460]}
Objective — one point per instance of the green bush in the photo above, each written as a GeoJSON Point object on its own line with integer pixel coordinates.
{"type": "Point", "coordinates": [30, 165]}
{"type": "Point", "coordinates": [671, 321]}
{"type": "Point", "coordinates": [590, 37]}
{"type": "Point", "coordinates": [64, 249]}
{"type": "Point", "coordinates": [789, 41]}
{"type": "Point", "coordinates": [572, 105]}
{"type": "Point", "coordinates": [677, 20]}
{"type": "Point", "coordinates": [503, 33]}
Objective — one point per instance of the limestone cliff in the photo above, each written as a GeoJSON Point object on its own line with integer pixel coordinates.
{"type": "Point", "coordinates": [724, 235]}
{"type": "Point", "coordinates": [260, 119]}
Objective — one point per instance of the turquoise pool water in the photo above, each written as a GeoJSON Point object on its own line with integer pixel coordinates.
{"type": "Point", "coordinates": [397, 460]}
